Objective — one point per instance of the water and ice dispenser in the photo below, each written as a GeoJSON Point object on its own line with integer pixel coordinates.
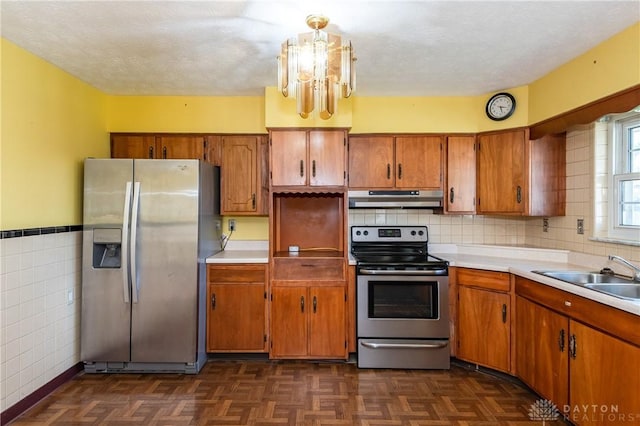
{"type": "Point", "coordinates": [107, 245]}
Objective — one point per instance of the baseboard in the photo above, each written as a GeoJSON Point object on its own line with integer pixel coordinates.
{"type": "Point", "coordinates": [33, 398]}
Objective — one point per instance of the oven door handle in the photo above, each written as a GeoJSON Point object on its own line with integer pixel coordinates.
{"type": "Point", "coordinates": [401, 272]}
{"type": "Point", "coordinates": [373, 345]}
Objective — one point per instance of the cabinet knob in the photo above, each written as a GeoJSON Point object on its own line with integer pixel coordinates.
{"type": "Point", "coordinates": [504, 313]}
{"type": "Point", "coordinates": [253, 200]}
{"type": "Point", "coordinates": [519, 194]}
{"type": "Point", "coordinates": [561, 340]}
{"type": "Point", "coordinates": [451, 195]}
{"type": "Point", "coordinates": [151, 152]}
{"type": "Point", "coordinates": [399, 171]}
{"type": "Point", "coordinates": [315, 304]}
{"type": "Point", "coordinates": [301, 168]}
{"type": "Point", "coordinates": [313, 168]}
{"type": "Point", "coordinates": [388, 171]}
{"type": "Point", "coordinates": [301, 303]}
{"type": "Point", "coordinates": [213, 301]}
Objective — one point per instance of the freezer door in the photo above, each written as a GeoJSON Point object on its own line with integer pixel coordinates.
{"type": "Point", "coordinates": [165, 293]}
{"type": "Point", "coordinates": [105, 323]}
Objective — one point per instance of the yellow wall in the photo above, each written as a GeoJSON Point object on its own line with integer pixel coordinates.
{"type": "Point", "coordinates": [610, 67]}
{"type": "Point", "coordinates": [51, 121]}
{"type": "Point", "coordinates": [207, 114]}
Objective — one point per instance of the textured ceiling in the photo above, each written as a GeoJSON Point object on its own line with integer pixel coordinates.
{"type": "Point", "coordinates": [226, 48]}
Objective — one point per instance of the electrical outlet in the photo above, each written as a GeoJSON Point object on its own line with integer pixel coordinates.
{"type": "Point", "coordinates": [580, 226]}
{"type": "Point", "coordinates": [232, 225]}
{"type": "Point", "coordinates": [545, 224]}
{"type": "Point", "coordinates": [69, 296]}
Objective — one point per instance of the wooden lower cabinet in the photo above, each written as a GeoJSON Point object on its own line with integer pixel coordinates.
{"type": "Point", "coordinates": [484, 318]}
{"type": "Point", "coordinates": [590, 375]}
{"type": "Point", "coordinates": [542, 353]}
{"type": "Point", "coordinates": [308, 322]}
{"type": "Point", "coordinates": [236, 308]}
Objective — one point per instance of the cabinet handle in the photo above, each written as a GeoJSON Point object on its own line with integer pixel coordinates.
{"type": "Point", "coordinates": [519, 194]}
{"type": "Point", "coordinates": [313, 168]}
{"type": "Point", "coordinates": [388, 171]}
{"type": "Point", "coordinates": [315, 304]}
{"type": "Point", "coordinates": [253, 200]}
{"type": "Point", "coordinates": [151, 152]}
{"type": "Point", "coordinates": [301, 168]}
{"type": "Point", "coordinates": [561, 340]}
{"type": "Point", "coordinates": [164, 152]}
{"type": "Point", "coordinates": [451, 195]}
{"type": "Point", "coordinates": [572, 346]}
{"type": "Point", "coordinates": [399, 171]}
{"type": "Point", "coordinates": [301, 303]}
{"type": "Point", "coordinates": [504, 313]}
{"type": "Point", "coordinates": [213, 301]}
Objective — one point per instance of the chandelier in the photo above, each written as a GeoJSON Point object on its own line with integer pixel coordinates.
{"type": "Point", "coordinates": [316, 69]}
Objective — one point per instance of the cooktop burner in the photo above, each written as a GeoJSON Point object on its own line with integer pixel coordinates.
{"type": "Point", "coordinates": [394, 248]}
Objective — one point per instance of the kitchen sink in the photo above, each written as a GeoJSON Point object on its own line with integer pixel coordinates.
{"type": "Point", "coordinates": [581, 277]}
{"type": "Point", "coordinates": [625, 291]}
{"type": "Point", "coordinates": [615, 285]}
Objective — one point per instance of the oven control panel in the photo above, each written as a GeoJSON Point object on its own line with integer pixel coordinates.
{"type": "Point", "coordinates": [389, 234]}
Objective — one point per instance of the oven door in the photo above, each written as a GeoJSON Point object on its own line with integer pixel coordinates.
{"type": "Point", "coordinates": [402, 306]}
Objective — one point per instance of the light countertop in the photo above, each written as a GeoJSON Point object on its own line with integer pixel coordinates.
{"type": "Point", "coordinates": [519, 261]}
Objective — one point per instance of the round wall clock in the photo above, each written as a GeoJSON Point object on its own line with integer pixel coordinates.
{"type": "Point", "coordinates": [500, 106]}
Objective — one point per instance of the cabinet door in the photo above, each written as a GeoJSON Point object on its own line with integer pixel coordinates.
{"type": "Point", "coordinates": [605, 372]}
{"type": "Point", "coordinates": [460, 196]}
{"type": "Point", "coordinates": [181, 147]}
{"type": "Point", "coordinates": [483, 327]}
{"type": "Point", "coordinates": [289, 306]}
{"type": "Point", "coordinates": [327, 153]}
{"type": "Point", "coordinates": [327, 322]}
{"type": "Point", "coordinates": [371, 162]}
{"type": "Point", "coordinates": [419, 162]}
{"type": "Point", "coordinates": [289, 158]}
{"type": "Point", "coordinates": [240, 156]}
{"type": "Point", "coordinates": [236, 317]}
{"type": "Point", "coordinates": [501, 172]}
{"type": "Point", "coordinates": [542, 351]}
{"type": "Point", "coordinates": [132, 146]}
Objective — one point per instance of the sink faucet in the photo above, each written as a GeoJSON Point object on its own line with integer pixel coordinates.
{"type": "Point", "coordinates": [636, 270]}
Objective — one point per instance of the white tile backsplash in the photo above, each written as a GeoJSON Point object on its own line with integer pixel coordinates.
{"type": "Point", "coordinates": [40, 336]}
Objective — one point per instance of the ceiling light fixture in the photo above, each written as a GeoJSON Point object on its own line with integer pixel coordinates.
{"type": "Point", "coordinates": [316, 69]}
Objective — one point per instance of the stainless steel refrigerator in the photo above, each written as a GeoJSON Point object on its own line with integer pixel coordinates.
{"type": "Point", "coordinates": [149, 226]}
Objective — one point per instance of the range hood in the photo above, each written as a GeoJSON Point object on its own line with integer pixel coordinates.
{"type": "Point", "coordinates": [396, 199]}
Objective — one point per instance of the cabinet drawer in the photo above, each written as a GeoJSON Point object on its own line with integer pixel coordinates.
{"type": "Point", "coordinates": [491, 280]}
{"type": "Point", "coordinates": [309, 268]}
{"type": "Point", "coordinates": [236, 273]}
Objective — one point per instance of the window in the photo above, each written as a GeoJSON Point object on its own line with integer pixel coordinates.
{"type": "Point", "coordinates": [624, 201]}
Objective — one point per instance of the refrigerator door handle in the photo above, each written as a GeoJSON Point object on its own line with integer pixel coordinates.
{"type": "Point", "coordinates": [125, 239]}
{"type": "Point", "coordinates": [134, 232]}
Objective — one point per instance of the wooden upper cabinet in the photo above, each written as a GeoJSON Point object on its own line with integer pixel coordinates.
{"type": "Point", "coordinates": [402, 162]}
{"type": "Point", "coordinates": [158, 146]}
{"type": "Point", "coordinates": [501, 173]}
{"type": "Point", "coordinates": [181, 147]}
{"type": "Point", "coordinates": [460, 194]}
{"type": "Point", "coordinates": [520, 176]}
{"type": "Point", "coordinates": [132, 146]}
{"type": "Point", "coordinates": [371, 162]}
{"type": "Point", "coordinates": [243, 175]}
{"type": "Point", "coordinates": [419, 162]}
{"type": "Point", "coordinates": [308, 157]}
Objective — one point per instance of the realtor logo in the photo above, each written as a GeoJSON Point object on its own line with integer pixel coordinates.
{"type": "Point", "coordinates": [544, 410]}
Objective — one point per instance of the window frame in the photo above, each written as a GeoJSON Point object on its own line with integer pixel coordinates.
{"type": "Point", "coordinates": [619, 162]}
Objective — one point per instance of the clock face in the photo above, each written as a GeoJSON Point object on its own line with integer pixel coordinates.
{"type": "Point", "coordinates": [501, 106]}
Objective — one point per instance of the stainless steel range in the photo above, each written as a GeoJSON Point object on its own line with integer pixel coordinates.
{"type": "Point", "coordinates": [402, 299]}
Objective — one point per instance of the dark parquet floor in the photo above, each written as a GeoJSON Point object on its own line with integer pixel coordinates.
{"type": "Point", "coordinates": [260, 392]}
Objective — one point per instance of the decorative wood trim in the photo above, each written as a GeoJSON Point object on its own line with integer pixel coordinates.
{"type": "Point", "coordinates": [30, 400]}
{"type": "Point", "coordinates": [622, 101]}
